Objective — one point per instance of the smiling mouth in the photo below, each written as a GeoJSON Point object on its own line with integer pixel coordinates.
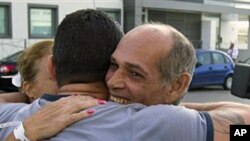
{"type": "Point", "coordinates": [118, 100]}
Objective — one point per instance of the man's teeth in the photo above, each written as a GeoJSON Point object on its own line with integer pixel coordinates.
{"type": "Point", "coordinates": [118, 100]}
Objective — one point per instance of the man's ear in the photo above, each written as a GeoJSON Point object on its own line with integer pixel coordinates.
{"type": "Point", "coordinates": [184, 82]}
{"type": "Point", "coordinates": [178, 88]}
{"type": "Point", "coordinates": [51, 67]}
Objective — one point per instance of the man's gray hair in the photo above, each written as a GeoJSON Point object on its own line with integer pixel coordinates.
{"type": "Point", "coordinates": [180, 59]}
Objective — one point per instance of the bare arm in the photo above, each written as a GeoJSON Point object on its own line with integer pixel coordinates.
{"type": "Point", "coordinates": [11, 137]}
{"type": "Point", "coordinates": [14, 97]}
{"type": "Point", "coordinates": [223, 115]}
{"type": "Point", "coordinates": [56, 116]}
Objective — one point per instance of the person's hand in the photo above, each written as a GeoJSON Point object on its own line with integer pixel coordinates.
{"type": "Point", "coordinates": [56, 116]}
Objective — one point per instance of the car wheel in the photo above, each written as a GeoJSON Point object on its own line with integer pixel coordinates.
{"type": "Point", "coordinates": [228, 83]}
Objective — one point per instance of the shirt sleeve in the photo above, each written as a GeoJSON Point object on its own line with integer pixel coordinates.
{"type": "Point", "coordinates": [210, 127]}
{"type": "Point", "coordinates": [9, 110]}
{"type": "Point", "coordinates": [7, 113]}
{"type": "Point", "coordinates": [169, 123]}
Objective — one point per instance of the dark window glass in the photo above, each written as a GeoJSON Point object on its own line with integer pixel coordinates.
{"type": "Point", "coordinates": [204, 58]}
{"type": "Point", "coordinates": [4, 20]}
{"type": "Point", "coordinates": [218, 58]}
{"type": "Point", "coordinates": [114, 14]}
{"type": "Point", "coordinates": [42, 22]}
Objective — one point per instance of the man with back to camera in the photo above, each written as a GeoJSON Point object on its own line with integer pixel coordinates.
{"type": "Point", "coordinates": [131, 74]}
{"type": "Point", "coordinates": [79, 70]}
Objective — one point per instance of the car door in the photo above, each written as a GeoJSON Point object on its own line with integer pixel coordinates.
{"type": "Point", "coordinates": [203, 70]}
{"type": "Point", "coordinates": [220, 68]}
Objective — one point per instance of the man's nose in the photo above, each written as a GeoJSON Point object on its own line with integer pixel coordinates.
{"type": "Point", "coordinates": [116, 81]}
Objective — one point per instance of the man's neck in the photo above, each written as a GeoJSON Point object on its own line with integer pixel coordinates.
{"type": "Point", "coordinates": [96, 90]}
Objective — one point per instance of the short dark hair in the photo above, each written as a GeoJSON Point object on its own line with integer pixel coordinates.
{"type": "Point", "coordinates": [83, 45]}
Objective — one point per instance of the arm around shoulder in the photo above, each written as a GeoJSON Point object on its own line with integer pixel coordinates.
{"type": "Point", "coordinates": [223, 115]}
{"type": "Point", "coordinates": [14, 97]}
{"type": "Point", "coordinates": [11, 137]}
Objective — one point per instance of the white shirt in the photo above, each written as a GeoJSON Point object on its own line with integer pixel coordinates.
{"type": "Point", "coordinates": [234, 52]}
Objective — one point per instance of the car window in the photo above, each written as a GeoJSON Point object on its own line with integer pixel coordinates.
{"type": "Point", "coordinates": [247, 60]}
{"type": "Point", "coordinates": [227, 60]}
{"type": "Point", "coordinates": [13, 57]}
{"type": "Point", "coordinates": [218, 58]}
{"type": "Point", "coordinates": [204, 58]}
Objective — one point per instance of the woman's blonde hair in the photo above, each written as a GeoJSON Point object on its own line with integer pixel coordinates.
{"type": "Point", "coordinates": [26, 62]}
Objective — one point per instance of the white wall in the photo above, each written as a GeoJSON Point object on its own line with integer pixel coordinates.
{"type": "Point", "coordinates": [19, 18]}
{"type": "Point", "coordinates": [208, 34]}
{"type": "Point", "coordinates": [229, 31]}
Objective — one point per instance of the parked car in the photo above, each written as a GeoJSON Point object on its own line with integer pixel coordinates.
{"type": "Point", "coordinates": [8, 69]}
{"type": "Point", "coordinates": [247, 61]}
{"type": "Point", "coordinates": [213, 67]}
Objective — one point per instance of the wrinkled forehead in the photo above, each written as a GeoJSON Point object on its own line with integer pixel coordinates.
{"type": "Point", "coordinates": [150, 37]}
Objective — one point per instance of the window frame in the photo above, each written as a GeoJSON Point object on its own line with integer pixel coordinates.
{"type": "Point", "coordinates": [205, 53]}
{"type": "Point", "coordinates": [8, 22]}
{"type": "Point", "coordinates": [223, 57]}
{"type": "Point", "coordinates": [54, 19]}
{"type": "Point", "coordinates": [112, 10]}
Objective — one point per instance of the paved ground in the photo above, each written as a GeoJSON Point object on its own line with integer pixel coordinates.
{"type": "Point", "coordinates": [212, 94]}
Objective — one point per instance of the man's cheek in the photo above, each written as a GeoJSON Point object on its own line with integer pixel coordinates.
{"type": "Point", "coordinates": [107, 77]}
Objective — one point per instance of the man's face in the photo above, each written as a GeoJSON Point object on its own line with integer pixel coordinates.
{"type": "Point", "coordinates": [134, 75]}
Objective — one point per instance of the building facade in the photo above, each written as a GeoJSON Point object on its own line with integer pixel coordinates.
{"type": "Point", "coordinates": [24, 22]}
{"type": "Point", "coordinates": [211, 24]}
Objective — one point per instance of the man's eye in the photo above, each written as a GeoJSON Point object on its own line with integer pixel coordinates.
{"type": "Point", "coordinates": [113, 65]}
{"type": "Point", "coordinates": [135, 74]}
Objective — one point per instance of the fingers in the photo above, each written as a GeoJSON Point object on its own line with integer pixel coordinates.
{"type": "Point", "coordinates": [56, 116]}
{"type": "Point", "coordinates": [75, 110]}
{"type": "Point", "coordinates": [74, 104]}
{"type": "Point", "coordinates": [79, 116]}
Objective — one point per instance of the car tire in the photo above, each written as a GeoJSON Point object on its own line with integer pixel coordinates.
{"type": "Point", "coordinates": [228, 83]}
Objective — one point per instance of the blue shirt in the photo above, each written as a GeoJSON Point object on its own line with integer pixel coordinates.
{"type": "Point", "coordinates": [133, 122]}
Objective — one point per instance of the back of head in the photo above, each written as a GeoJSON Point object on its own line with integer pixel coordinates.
{"type": "Point", "coordinates": [179, 60]}
{"type": "Point", "coordinates": [182, 57]}
{"type": "Point", "coordinates": [83, 45]}
{"type": "Point", "coordinates": [231, 45]}
{"type": "Point", "coordinates": [27, 61]}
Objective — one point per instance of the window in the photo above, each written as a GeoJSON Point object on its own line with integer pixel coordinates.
{"type": "Point", "coordinates": [204, 59]}
{"type": "Point", "coordinates": [218, 58]}
{"type": "Point", "coordinates": [5, 29]}
{"type": "Point", "coordinates": [42, 21]}
{"type": "Point", "coordinates": [227, 60]}
{"type": "Point", "coordinates": [114, 14]}
{"type": "Point", "coordinates": [248, 61]}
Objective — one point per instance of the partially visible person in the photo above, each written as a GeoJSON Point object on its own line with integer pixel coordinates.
{"type": "Point", "coordinates": [83, 45]}
{"type": "Point", "coordinates": [34, 78]}
{"type": "Point", "coordinates": [233, 52]}
{"type": "Point", "coordinates": [33, 67]}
